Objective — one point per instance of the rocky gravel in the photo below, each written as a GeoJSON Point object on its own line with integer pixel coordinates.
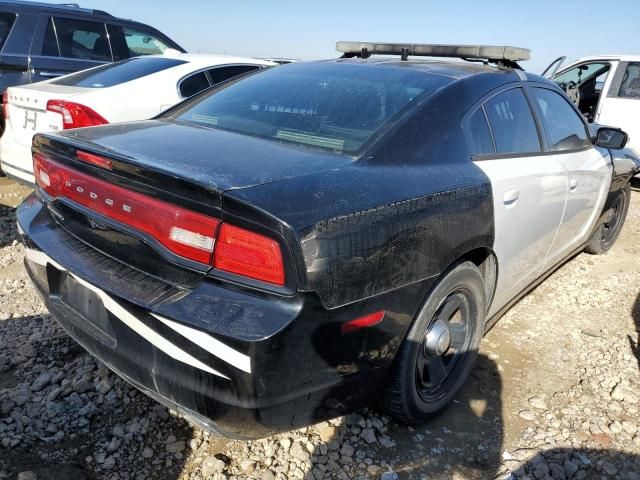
{"type": "Point", "coordinates": [555, 395]}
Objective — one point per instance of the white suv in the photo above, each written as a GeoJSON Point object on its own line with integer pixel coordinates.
{"type": "Point", "coordinates": [605, 88]}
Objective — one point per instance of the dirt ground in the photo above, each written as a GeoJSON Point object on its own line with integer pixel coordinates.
{"type": "Point", "coordinates": [555, 394]}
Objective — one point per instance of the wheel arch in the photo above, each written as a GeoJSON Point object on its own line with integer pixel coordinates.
{"type": "Point", "coordinates": [487, 262]}
{"type": "Point", "coordinates": [485, 259]}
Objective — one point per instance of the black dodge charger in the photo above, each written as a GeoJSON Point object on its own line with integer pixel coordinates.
{"type": "Point", "coordinates": [294, 244]}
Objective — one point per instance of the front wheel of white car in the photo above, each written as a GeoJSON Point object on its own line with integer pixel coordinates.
{"type": "Point", "coordinates": [603, 237]}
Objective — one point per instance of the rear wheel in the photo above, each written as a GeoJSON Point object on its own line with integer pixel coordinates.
{"type": "Point", "coordinates": [439, 352]}
{"type": "Point", "coordinates": [603, 237]}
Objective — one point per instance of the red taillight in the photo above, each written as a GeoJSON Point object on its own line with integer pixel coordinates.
{"type": "Point", "coordinates": [5, 104]}
{"type": "Point", "coordinates": [185, 233]}
{"type": "Point", "coordinates": [248, 254]}
{"type": "Point", "coordinates": [75, 115]}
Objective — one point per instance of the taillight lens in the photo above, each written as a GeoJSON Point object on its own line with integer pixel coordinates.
{"type": "Point", "coordinates": [185, 233]}
{"type": "Point", "coordinates": [5, 104]}
{"type": "Point", "coordinates": [248, 254]}
{"type": "Point", "coordinates": [75, 115]}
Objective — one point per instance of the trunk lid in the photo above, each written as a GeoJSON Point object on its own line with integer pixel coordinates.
{"type": "Point", "coordinates": [176, 164]}
{"type": "Point", "coordinates": [28, 110]}
{"type": "Point", "coordinates": [195, 163]}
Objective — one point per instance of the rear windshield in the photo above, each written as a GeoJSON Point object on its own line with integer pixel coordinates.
{"type": "Point", "coordinates": [335, 106]}
{"type": "Point", "coordinates": [117, 73]}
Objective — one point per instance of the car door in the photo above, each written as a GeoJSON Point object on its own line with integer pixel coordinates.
{"type": "Point", "coordinates": [529, 189]}
{"type": "Point", "coordinates": [67, 44]}
{"type": "Point", "coordinates": [553, 67]}
{"type": "Point", "coordinates": [589, 168]}
{"type": "Point", "coordinates": [621, 106]}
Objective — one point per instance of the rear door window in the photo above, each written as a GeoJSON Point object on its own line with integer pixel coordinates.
{"type": "Point", "coordinates": [194, 84]}
{"type": "Point", "coordinates": [564, 127]}
{"type": "Point", "coordinates": [117, 73]}
{"type": "Point", "coordinates": [6, 22]}
{"type": "Point", "coordinates": [630, 86]}
{"type": "Point", "coordinates": [479, 133]}
{"type": "Point", "coordinates": [222, 74]}
{"type": "Point", "coordinates": [143, 43]}
{"type": "Point", "coordinates": [514, 129]}
{"type": "Point", "coordinates": [77, 39]}
{"type": "Point", "coordinates": [50, 46]}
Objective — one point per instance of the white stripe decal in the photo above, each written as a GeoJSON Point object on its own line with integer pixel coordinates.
{"type": "Point", "coordinates": [127, 318]}
{"type": "Point", "coordinates": [210, 344]}
{"type": "Point", "coordinates": [42, 258]}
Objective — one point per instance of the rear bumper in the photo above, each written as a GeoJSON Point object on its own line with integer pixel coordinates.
{"type": "Point", "coordinates": [15, 160]}
{"type": "Point", "coordinates": [241, 364]}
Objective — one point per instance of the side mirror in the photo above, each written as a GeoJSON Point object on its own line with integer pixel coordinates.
{"type": "Point", "coordinates": [609, 137]}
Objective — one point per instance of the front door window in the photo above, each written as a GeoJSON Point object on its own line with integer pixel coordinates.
{"type": "Point", "coordinates": [583, 84]}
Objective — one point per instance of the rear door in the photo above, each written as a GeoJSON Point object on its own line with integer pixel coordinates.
{"type": "Point", "coordinates": [66, 44]}
{"type": "Point", "coordinates": [589, 169]}
{"type": "Point", "coordinates": [553, 67]}
{"type": "Point", "coordinates": [529, 188]}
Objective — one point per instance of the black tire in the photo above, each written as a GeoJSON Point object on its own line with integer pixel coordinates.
{"type": "Point", "coordinates": [408, 397]}
{"type": "Point", "coordinates": [606, 234]}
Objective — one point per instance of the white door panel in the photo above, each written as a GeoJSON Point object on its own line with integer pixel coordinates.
{"type": "Point", "coordinates": [529, 195]}
{"type": "Point", "coordinates": [589, 179]}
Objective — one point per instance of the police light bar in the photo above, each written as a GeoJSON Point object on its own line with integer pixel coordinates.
{"type": "Point", "coordinates": [494, 53]}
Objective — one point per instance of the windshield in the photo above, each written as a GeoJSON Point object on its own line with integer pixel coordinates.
{"type": "Point", "coordinates": [578, 74]}
{"type": "Point", "coordinates": [117, 73]}
{"type": "Point", "coordinates": [334, 106]}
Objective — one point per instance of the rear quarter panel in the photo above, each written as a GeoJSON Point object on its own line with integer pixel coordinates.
{"type": "Point", "coordinates": [138, 99]}
{"type": "Point", "coordinates": [407, 209]}
{"type": "Point", "coordinates": [362, 231]}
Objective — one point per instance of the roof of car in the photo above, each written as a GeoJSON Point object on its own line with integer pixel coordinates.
{"type": "Point", "coordinates": [206, 59]}
{"type": "Point", "coordinates": [70, 7]}
{"type": "Point", "coordinates": [624, 58]}
{"type": "Point", "coordinates": [453, 69]}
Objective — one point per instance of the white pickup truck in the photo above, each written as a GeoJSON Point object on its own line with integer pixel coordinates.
{"type": "Point", "coordinates": [605, 88]}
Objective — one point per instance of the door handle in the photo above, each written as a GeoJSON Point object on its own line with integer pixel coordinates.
{"type": "Point", "coordinates": [50, 74]}
{"type": "Point", "coordinates": [573, 184]}
{"type": "Point", "coordinates": [510, 197]}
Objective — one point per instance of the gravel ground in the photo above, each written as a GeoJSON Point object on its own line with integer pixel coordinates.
{"type": "Point", "coordinates": [555, 394]}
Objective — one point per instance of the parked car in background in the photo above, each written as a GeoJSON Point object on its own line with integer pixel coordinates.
{"type": "Point", "coordinates": [323, 233]}
{"type": "Point", "coordinates": [39, 41]}
{"type": "Point", "coordinates": [133, 89]}
{"type": "Point", "coordinates": [606, 89]}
